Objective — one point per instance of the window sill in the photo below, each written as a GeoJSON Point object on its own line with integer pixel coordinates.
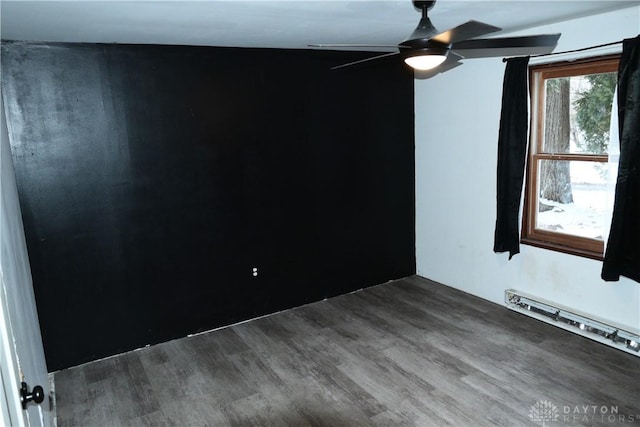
{"type": "Point", "coordinates": [561, 248]}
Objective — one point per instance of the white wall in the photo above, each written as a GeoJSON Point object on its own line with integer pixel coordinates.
{"type": "Point", "coordinates": [457, 117]}
{"type": "Point", "coordinates": [19, 321]}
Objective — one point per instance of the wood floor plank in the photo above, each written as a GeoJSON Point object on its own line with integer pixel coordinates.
{"type": "Point", "coordinates": [408, 352]}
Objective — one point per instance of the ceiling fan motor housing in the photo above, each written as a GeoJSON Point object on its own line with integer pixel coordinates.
{"type": "Point", "coordinates": [422, 34]}
{"type": "Point", "coordinates": [421, 37]}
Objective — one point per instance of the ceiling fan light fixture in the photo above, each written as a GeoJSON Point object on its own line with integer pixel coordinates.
{"type": "Point", "coordinates": [426, 59]}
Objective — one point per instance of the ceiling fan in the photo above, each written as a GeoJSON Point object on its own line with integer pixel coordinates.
{"type": "Point", "coordinates": [429, 49]}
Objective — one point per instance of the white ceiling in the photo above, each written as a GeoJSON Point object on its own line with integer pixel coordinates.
{"type": "Point", "coordinates": [266, 23]}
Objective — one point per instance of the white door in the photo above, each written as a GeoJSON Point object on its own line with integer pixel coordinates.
{"type": "Point", "coordinates": [21, 350]}
{"type": "Point", "coordinates": [12, 413]}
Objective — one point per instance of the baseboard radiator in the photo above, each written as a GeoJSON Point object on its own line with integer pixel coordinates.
{"type": "Point", "coordinates": [573, 321]}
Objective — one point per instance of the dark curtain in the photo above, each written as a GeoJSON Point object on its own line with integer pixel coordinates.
{"type": "Point", "coordinates": [622, 256]}
{"type": "Point", "coordinates": [512, 153]}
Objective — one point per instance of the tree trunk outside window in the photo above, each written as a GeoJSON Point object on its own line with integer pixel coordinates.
{"type": "Point", "coordinates": [555, 178]}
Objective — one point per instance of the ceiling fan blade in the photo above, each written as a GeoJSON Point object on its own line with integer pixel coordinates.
{"type": "Point", "coordinates": [507, 46]}
{"type": "Point", "coordinates": [345, 45]}
{"type": "Point", "coordinates": [452, 62]}
{"type": "Point", "coordinates": [468, 30]}
{"type": "Point", "coordinates": [373, 58]}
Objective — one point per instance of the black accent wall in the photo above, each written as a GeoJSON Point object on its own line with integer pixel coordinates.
{"type": "Point", "coordinates": [153, 179]}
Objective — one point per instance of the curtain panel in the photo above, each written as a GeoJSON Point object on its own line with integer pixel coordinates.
{"type": "Point", "coordinates": [622, 255]}
{"type": "Point", "coordinates": [512, 153]}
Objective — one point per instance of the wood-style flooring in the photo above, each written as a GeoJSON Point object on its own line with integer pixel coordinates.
{"type": "Point", "coordinates": [408, 352]}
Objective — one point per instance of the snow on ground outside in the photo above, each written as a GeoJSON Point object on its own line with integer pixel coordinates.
{"type": "Point", "coordinates": [590, 213]}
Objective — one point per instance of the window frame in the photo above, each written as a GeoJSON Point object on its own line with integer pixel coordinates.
{"type": "Point", "coordinates": [561, 242]}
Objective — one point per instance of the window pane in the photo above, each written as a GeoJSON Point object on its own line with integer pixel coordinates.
{"type": "Point", "coordinates": [573, 198]}
{"type": "Point", "coordinates": [578, 113]}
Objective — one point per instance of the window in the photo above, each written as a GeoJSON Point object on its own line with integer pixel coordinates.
{"type": "Point", "coordinates": [567, 194]}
